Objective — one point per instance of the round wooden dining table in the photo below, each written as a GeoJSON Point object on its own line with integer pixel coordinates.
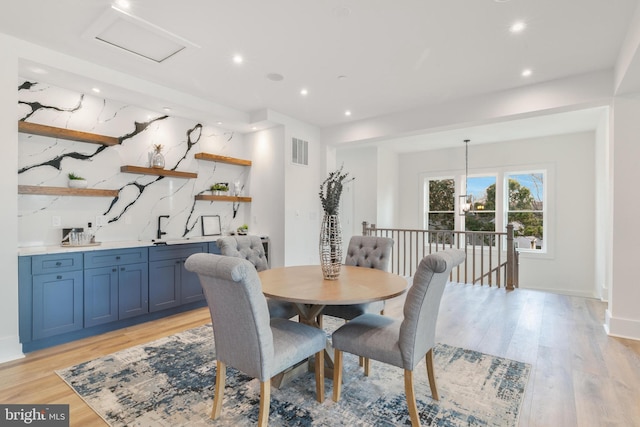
{"type": "Point", "coordinates": [306, 287]}
{"type": "Point", "coordinates": [311, 292]}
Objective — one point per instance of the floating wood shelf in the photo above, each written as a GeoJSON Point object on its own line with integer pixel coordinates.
{"type": "Point", "coordinates": [74, 135]}
{"type": "Point", "coordinates": [212, 198]}
{"type": "Point", "coordinates": [222, 159]}
{"type": "Point", "coordinates": [157, 171]}
{"type": "Point", "coordinates": [65, 191]}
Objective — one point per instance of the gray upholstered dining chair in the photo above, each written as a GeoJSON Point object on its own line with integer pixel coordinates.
{"type": "Point", "coordinates": [245, 337]}
{"type": "Point", "coordinates": [401, 342]}
{"type": "Point", "coordinates": [251, 249]}
{"type": "Point", "coordinates": [368, 252]}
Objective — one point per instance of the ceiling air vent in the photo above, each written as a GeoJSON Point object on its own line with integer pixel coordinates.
{"type": "Point", "coordinates": [299, 151]}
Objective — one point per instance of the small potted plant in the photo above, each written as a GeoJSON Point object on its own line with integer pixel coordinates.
{"type": "Point", "coordinates": [243, 229]}
{"type": "Point", "coordinates": [76, 181]}
{"type": "Point", "coordinates": [219, 188]}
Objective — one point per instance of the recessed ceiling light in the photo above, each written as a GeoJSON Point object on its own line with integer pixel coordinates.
{"type": "Point", "coordinates": [96, 89]}
{"type": "Point", "coordinates": [218, 123]}
{"type": "Point", "coordinates": [517, 27]}
{"type": "Point", "coordinates": [238, 59]}
{"type": "Point", "coordinates": [254, 128]}
{"type": "Point", "coordinates": [342, 77]}
{"type": "Point", "coordinates": [37, 70]}
{"type": "Point", "coordinates": [124, 4]}
{"type": "Point", "coordinates": [304, 92]}
{"type": "Point", "coordinates": [526, 72]}
{"type": "Point", "coordinates": [167, 109]}
{"type": "Point", "coordinates": [347, 113]}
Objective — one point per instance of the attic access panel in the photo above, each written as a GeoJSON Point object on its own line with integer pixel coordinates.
{"type": "Point", "coordinates": [120, 29]}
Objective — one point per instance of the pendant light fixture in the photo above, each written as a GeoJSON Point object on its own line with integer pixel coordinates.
{"type": "Point", "coordinates": [465, 202]}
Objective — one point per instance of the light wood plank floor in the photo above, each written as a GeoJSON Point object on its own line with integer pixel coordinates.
{"type": "Point", "coordinates": [580, 376]}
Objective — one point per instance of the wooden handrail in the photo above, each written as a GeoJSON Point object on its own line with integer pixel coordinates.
{"type": "Point", "coordinates": [487, 262]}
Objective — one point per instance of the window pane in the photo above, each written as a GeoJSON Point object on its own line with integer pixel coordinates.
{"type": "Point", "coordinates": [483, 191]}
{"type": "Point", "coordinates": [441, 221]}
{"type": "Point", "coordinates": [480, 221]}
{"type": "Point", "coordinates": [527, 224]}
{"type": "Point", "coordinates": [526, 192]}
{"type": "Point", "coordinates": [441, 195]}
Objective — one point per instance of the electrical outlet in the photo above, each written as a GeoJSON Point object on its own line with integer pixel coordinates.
{"type": "Point", "coordinates": [56, 221]}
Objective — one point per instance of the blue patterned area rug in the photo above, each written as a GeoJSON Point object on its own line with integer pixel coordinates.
{"type": "Point", "coordinates": [170, 382]}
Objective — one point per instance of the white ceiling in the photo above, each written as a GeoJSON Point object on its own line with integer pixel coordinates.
{"type": "Point", "coordinates": [395, 55]}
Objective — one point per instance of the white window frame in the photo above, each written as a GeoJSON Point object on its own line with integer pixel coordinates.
{"type": "Point", "coordinates": [545, 204]}
{"type": "Point", "coordinates": [548, 171]}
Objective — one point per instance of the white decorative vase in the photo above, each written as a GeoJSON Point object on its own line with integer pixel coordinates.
{"type": "Point", "coordinates": [77, 183]}
{"type": "Point", "coordinates": [331, 246]}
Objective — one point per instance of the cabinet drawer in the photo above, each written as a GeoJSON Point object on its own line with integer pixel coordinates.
{"type": "Point", "coordinates": [56, 263]}
{"type": "Point", "coordinates": [159, 253]}
{"type": "Point", "coordinates": [94, 259]}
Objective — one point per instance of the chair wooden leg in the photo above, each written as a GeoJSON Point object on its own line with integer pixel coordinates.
{"type": "Point", "coordinates": [367, 366]}
{"type": "Point", "coordinates": [360, 361]}
{"type": "Point", "coordinates": [221, 374]}
{"type": "Point", "coordinates": [432, 376]}
{"type": "Point", "coordinates": [319, 368]}
{"type": "Point", "coordinates": [337, 374]}
{"type": "Point", "coordinates": [411, 398]}
{"type": "Point", "coordinates": [265, 401]}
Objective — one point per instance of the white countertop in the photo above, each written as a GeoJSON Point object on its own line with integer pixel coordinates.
{"type": "Point", "coordinates": [56, 249]}
{"type": "Point", "coordinates": [53, 249]}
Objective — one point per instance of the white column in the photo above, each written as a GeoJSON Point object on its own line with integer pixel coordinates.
{"type": "Point", "coordinates": [623, 314]}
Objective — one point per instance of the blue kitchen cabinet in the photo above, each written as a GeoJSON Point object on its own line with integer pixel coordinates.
{"type": "Point", "coordinates": [57, 295]}
{"type": "Point", "coordinates": [133, 290]}
{"type": "Point", "coordinates": [116, 287]}
{"type": "Point", "coordinates": [170, 284]}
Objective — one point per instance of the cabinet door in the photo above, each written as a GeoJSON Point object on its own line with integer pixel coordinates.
{"type": "Point", "coordinates": [164, 284]}
{"type": "Point", "coordinates": [133, 290]}
{"type": "Point", "coordinates": [191, 289]}
{"type": "Point", "coordinates": [100, 295]}
{"type": "Point", "coordinates": [57, 303]}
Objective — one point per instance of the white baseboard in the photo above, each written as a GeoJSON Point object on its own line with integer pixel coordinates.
{"type": "Point", "coordinates": [571, 293]}
{"type": "Point", "coordinates": [621, 328]}
{"type": "Point", "coordinates": [10, 349]}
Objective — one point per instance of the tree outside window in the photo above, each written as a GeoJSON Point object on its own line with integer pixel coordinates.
{"type": "Point", "coordinates": [440, 207]}
{"type": "Point", "coordinates": [482, 216]}
{"type": "Point", "coordinates": [441, 204]}
{"type": "Point", "coordinates": [525, 208]}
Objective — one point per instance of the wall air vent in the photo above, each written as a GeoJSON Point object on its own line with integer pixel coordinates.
{"type": "Point", "coordinates": [299, 151]}
{"type": "Point", "coordinates": [120, 29]}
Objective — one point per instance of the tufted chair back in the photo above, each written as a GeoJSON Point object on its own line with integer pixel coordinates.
{"type": "Point", "coordinates": [246, 247]}
{"type": "Point", "coordinates": [369, 251]}
{"type": "Point", "coordinates": [251, 249]}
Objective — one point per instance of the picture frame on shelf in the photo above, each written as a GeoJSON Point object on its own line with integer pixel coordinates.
{"type": "Point", "coordinates": [210, 225]}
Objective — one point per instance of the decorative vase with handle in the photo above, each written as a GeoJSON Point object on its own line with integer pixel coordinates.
{"type": "Point", "coordinates": [331, 246]}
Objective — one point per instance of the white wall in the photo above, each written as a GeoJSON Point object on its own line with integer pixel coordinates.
{"type": "Point", "coordinates": [10, 347]}
{"type": "Point", "coordinates": [602, 211]}
{"type": "Point", "coordinates": [302, 213]}
{"type": "Point", "coordinates": [388, 183]}
{"type": "Point", "coordinates": [568, 267]}
{"type": "Point", "coordinates": [267, 179]}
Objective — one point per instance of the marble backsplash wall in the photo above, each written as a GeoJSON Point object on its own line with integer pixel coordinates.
{"type": "Point", "coordinates": [133, 213]}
